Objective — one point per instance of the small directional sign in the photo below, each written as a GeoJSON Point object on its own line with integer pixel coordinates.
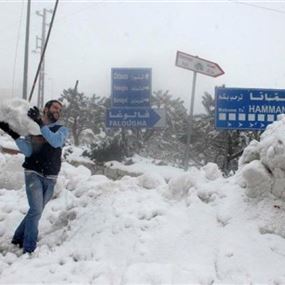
{"type": "Point", "coordinates": [198, 64]}
{"type": "Point", "coordinates": [247, 108]}
{"type": "Point", "coordinates": [135, 118]}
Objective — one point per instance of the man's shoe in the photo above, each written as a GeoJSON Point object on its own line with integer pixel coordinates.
{"type": "Point", "coordinates": [28, 253]}
{"type": "Point", "coordinates": [17, 242]}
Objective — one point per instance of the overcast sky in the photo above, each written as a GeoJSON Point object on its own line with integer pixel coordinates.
{"type": "Point", "coordinates": [90, 37]}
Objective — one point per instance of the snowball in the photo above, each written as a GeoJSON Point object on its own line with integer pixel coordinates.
{"type": "Point", "coordinates": [212, 171]}
{"type": "Point", "coordinates": [14, 112]}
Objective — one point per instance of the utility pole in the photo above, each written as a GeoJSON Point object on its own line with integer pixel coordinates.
{"type": "Point", "coordinates": [26, 60]}
{"type": "Point", "coordinates": [42, 39]}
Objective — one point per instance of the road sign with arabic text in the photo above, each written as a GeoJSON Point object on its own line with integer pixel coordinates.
{"type": "Point", "coordinates": [198, 64]}
{"type": "Point", "coordinates": [247, 108]}
{"type": "Point", "coordinates": [144, 117]}
{"type": "Point", "coordinates": [131, 87]}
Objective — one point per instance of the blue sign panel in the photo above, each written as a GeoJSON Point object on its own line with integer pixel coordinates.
{"type": "Point", "coordinates": [131, 87]}
{"type": "Point", "coordinates": [132, 118]}
{"type": "Point", "coordinates": [251, 109]}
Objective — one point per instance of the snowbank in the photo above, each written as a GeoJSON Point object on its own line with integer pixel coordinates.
{"type": "Point", "coordinates": [11, 171]}
{"type": "Point", "coordinates": [262, 164]}
{"type": "Point", "coordinates": [165, 226]}
{"type": "Point", "coordinates": [195, 227]}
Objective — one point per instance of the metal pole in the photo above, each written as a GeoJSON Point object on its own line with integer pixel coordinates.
{"type": "Point", "coordinates": [41, 89]}
{"type": "Point", "coordinates": [26, 60]}
{"type": "Point", "coordinates": [189, 130]}
{"type": "Point", "coordinates": [43, 63]}
{"type": "Point", "coordinates": [44, 50]}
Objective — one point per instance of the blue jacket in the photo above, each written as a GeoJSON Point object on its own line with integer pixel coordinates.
{"type": "Point", "coordinates": [43, 152]}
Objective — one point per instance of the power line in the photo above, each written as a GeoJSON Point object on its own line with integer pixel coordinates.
{"type": "Point", "coordinates": [260, 7]}
{"type": "Point", "coordinates": [16, 52]}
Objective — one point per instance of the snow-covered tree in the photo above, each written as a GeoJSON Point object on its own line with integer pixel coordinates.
{"type": "Point", "coordinates": [165, 143]}
{"type": "Point", "coordinates": [223, 147]}
{"type": "Point", "coordinates": [81, 112]}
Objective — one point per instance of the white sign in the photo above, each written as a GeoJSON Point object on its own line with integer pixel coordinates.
{"type": "Point", "coordinates": [198, 64]}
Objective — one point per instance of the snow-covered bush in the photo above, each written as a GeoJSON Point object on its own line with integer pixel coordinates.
{"type": "Point", "coordinates": [107, 150]}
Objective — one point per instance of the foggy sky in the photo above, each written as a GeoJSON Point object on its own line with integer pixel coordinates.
{"type": "Point", "coordinates": [89, 38]}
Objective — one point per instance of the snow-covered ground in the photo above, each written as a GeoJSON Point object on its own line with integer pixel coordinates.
{"type": "Point", "coordinates": [166, 226]}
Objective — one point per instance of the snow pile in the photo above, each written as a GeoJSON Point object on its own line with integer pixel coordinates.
{"type": "Point", "coordinates": [262, 164]}
{"type": "Point", "coordinates": [165, 226]}
{"type": "Point", "coordinates": [262, 168]}
{"type": "Point", "coordinates": [151, 180]}
{"type": "Point", "coordinates": [179, 186]}
{"type": "Point", "coordinates": [14, 112]}
{"type": "Point", "coordinates": [146, 165]}
{"type": "Point", "coordinates": [143, 230]}
{"type": "Point", "coordinates": [190, 229]}
{"type": "Point", "coordinates": [212, 171]}
{"type": "Point", "coordinates": [11, 166]}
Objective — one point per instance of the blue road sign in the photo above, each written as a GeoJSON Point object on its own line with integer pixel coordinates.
{"type": "Point", "coordinates": [131, 87]}
{"type": "Point", "coordinates": [134, 118]}
{"type": "Point", "coordinates": [251, 109]}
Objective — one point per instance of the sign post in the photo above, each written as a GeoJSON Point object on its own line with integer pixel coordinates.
{"type": "Point", "coordinates": [197, 65]}
{"type": "Point", "coordinates": [189, 129]}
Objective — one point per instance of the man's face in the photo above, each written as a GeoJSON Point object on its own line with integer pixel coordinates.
{"type": "Point", "coordinates": [53, 113]}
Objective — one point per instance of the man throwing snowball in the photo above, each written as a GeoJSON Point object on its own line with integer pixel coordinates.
{"type": "Point", "coordinates": [42, 165]}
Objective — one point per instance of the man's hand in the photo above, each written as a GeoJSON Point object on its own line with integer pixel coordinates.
{"type": "Point", "coordinates": [5, 127]}
{"type": "Point", "coordinates": [34, 114]}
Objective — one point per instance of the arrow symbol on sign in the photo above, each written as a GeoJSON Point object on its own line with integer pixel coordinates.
{"type": "Point", "coordinates": [198, 64]}
{"type": "Point", "coordinates": [154, 117]}
{"type": "Point", "coordinates": [251, 124]}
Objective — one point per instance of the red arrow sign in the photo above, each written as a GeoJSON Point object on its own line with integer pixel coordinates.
{"type": "Point", "coordinates": [198, 64]}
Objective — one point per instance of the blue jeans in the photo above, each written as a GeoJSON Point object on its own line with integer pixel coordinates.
{"type": "Point", "coordinates": [39, 191]}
